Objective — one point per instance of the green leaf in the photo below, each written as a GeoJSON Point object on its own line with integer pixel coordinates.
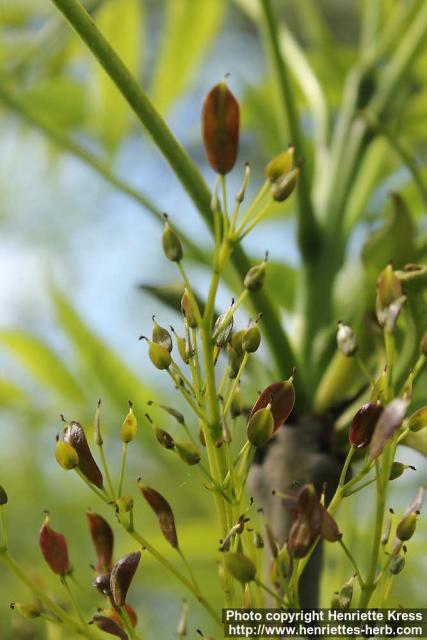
{"type": "Point", "coordinates": [121, 22]}
{"type": "Point", "coordinates": [189, 30]}
{"type": "Point", "coordinates": [60, 100]}
{"type": "Point", "coordinates": [42, 362]}
{"type": "Point", "coordinates": [393, 241]}
{"type": "Point", "coordinates": [10, 394]}
{"type": "Point", "coordinates": [99, 359]}
{"type": "Point", "coordinates": [281, 283]}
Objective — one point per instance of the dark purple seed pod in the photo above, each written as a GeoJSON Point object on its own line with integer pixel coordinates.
{"type": "Point", "coordinates": [54, 548]}
{"type": "Point", "coordinates": [163, 511]}
{"type": "Point", "coordinates": [364, 423]}
{"type": "Point", "coordinates": [75, 436]}
{"type": "Point", "coordinates": [109, 626]}
{"type": "Point", "coordinates": [103, 541]}
{"type": "Point", "coordinates": [122, 576]}
{"type": "Point", "coordinates": [102, 584]}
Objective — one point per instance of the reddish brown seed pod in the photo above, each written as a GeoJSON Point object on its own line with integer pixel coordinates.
{"type": "Point", "coordinates": [163, 511]}
{"type": "Point", "coordinates": [54, 548]}
{"type": "Point", "coordinates": [122, 576]}
{"type": "Point", "coordinates": [220, 128]}
{"type": "Point", "coordinates": [281, 396]}
{"type": "Point", "coordinates": [109, 626]}
{"type": "Point", "coordinates": [363, 424]}
{"type": "Point", "coordinates": [388, 422]}
{"type": "Point", "coordinates": [103, 541]}
{"type": "Point", "coordinates": [75, 436]}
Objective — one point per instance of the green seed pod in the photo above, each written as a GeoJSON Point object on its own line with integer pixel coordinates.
{"type": "Point", "coordinates": [418, 420]}
{"type": "Point", "coordinates": [346, 594]}
{"type": "Point", "coordinates": [183, 349]}
{"type": "Point", "coordinates": [346, 340]}
{"type": "Point", "coordinates": [284, 186]}
{"type": "Point", "coordinates": [103, 541]}
{"type": "Point", "coordinates": [54, 549]}
{"type": "Point", "coordinates": [3, 496]}
{"type": "Point", "coordinates": [397, 469]}
{"type": "Point", "coordinates": [164, 438]}
{"type": "Point", "coordinates": [234, 362]}
{"type": "Point", "coordinates": [260, 427]}
{"type": "Point", "coordinates": [183, 620]}
{"type": "Point", "coordinates": [280, 165]}
{"type": "Point", "coordinates": [220, 128]}
{"type": "Point", "coordinates": [163, 511]}
{"type": "Point", "coordinates": [108, 625]}
{"type": "Point", "coordinates": [161, 336]}
{"type": "Point", "coordinates": [335, 602]}
{"type": "Point", "coordinates": [258, 540]}
{"type": "Point", "coordinates": [247, 598]}
{"type": "Point", "coordinates": [387, 530]}
{"type": "Point", "coordinates": [281, 396]}
{"type": "Point", "coordinates": [251, 339]}
{"type": "Point", "coordinates": [397, 565]}
{"type": "Point", "coordinates": [159, 356]}
{"type": "Point", "coordinates": [188, 452]}
{"type": "Point", "coordinates": [124, 504]}
{"type": "Point", "coordinates": [255, 277]}
{"type": "Point", "coordinates": [202, 438]}
{"type": "Point", "coordinates": [98, 436]}
{"type": "Point", "coordinates": [240, 567]}
{"type": "Point", "coordinates": [389, 288]}
{"type": "Point", "coordinates": [122, 576]}
{"type": "Point", "coordinates": [240, 195]}
{"type": "Point", "coordinates": [75, 436]}
{"type": "Point", "coordinates": [236, 341]}
{"type": "Point", "coordinates": [188, 311]}
{"type": "Point", "coordinates": [223, 336]}
{"type": "Point", "coordinates": [406, 527]}
{"type": "Point", "coordinates": [129, 427]}
{"type": "Point", "coordinates": [236, 407]}
{"type": "Point", "coordinates": [28, 611]}
{"type": "Point", "coordinates": [171, 243]}
{"type": "Point", "coordinates": [170, 410]}
{"type": "Point", "coordinates": [423, 345]}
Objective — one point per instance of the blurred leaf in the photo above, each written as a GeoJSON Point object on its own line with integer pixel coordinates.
{"type": "Point", "coordinates": [393, 241]}
{"type": "Point", "coordinates": [10, 394]}
{"type": "Point", "coordinates": [189, 30]}
{"type": "Point", "coordinates": [98, 358]}
{"type": "Point", "coordinates": [170, 295]}
{"type": "Point", "coordinates": [60, 100]}
{"type": "Point", "coordinates": [121, 22]}
{"type": "Point", "coordinates": [281, 283]}
{"type": "Point", "coordinates": [42, 362]}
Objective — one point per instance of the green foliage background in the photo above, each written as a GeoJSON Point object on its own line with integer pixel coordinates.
{"type": "Point", "coordinates": [80, 183]}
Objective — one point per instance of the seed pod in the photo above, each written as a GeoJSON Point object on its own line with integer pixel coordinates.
{"type": "Point", "coordinates": [159, 356]}
{"type": "Point", "coordinates": [260, 427]}
{"type": "Point", "coordinates": [363, 424]}
{"type": "Point", "coordinates": [114, 615]}
{"type": "Point", "coordinates": [98, 436]}
{"type": "Point", "coordinates": [390, 420]}
{"type": "Point", "coordinates": [163, 511]}
{"type": "Point", "coordinates": [161, 336]}
{"type": "Point", "coordinates": [109, 626]}
{"type": "Point", "coordinates": [251, 339]}
{"type": "Point", "coordinates": [3, 496]}
{"type": "Point", "coordinates": [240, 567]}
{"type": "Point", "coordinates": [75, 436]}
{"type": "Point", "coordinates": [387, 530]}
{"type": "Point", "coordinates": [183, 620]}
{"type": "Point", "coordinates": [418, 420]}
{"type": "Point", "coordinates": [397, 469]}
{"type": "Point", "coordinates": [284, 186]}
{"type": "Point", "coordinates": [164, 438]}
{"type": "Point", "coordinates": [202, 438]}
{"type": "Point", "coordinates": [406, 527]}
{"type": "Point", "coordinates": [389, 288]}
{"type": "Point", "coordinates": [236, 341]}
{"type": "Point", "coordinates": [255, 277]}
{"type": "Point", "coordinates": [188, 311]}
{"type": "Point", "coordinates": [280, 165]}
{"type": "Point", "coordinates": [301, 537]}
{"type": "Point", "coordinates": [102, 584]}
{"type": "Point", "coordinates": [103, 541]}
{"type": "Point", "coordinates": [234, 362]}
{"type": "Point", "coordinates": [171, 243]}
{"type": "Point", "coordinates": [187, 452]}
{"type": "Point", "coordinates": [329, 528]}
{"type": "Point", "coordinates": [224, 335]}
{"type": "Point", "coordinates": [240, 195]}
{"type": "Point", "coordinates": [170, 410]}
{"type": "Point", "coordinates": [122, 576]}
{"type": "Point", "coordinates": [220, 128]}
{"type": "Point", "coordinates": [129, 427]}
{"type": "Point", "coordinates": [28, 611]}
{"type": "Point", "coordinates": [66, 456]}
{"type": "Point", "coordinates": [54, 549]}
{"type": "Point", "coordinates": [281, 396]}
{"type": "Point", "coordinates": [236, 407]}
{"type": "Point", "coordinates": [397, 565]}
{"type": "Point", "coordinates": [346, 340]}
{"type": "Point", "coordinates": [124, 504]}
{"type": "Point", "coordinates": [346, 594]}
{"type": "Point", "coordinates": [335, 602]}
{"type": "Point", "coordinates": [258, 541]}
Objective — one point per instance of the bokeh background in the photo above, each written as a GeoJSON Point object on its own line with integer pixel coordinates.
{"type": "Point", "coordinates": [77, 255]}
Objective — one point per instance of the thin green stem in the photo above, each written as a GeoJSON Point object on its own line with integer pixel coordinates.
{"type": "Point", "coordinates": [263, 586]}
{"type": "Point", "coordinates": [352, 560]}
{"type": "Point", "coordinates": [229, 399]}
{"type": "Point", "coordinates": [252, 207]}
{"type": "Point", "coordinates": [364, 369]}
{"type": "Point", "coordinates": [73, 600]}
{"type": "Point", "coordinates": [106, 471]}
{"type": "Point", "coordinates": [4, 527]}
{"type": "Point", "coordinates": [92, 487]}
{"type": "Point", "coordinates": [122, 469]}
{"type": "Point", "coordinates": [224, 205]}
{"type": "Point", "coordinates": [347, 494]}
{"type": "Point", "coordinates": [232, 310]}
{"type": "Point", "coordinates": [189, 569]}
{"type": "Point", "coordinates": [186, 395]}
